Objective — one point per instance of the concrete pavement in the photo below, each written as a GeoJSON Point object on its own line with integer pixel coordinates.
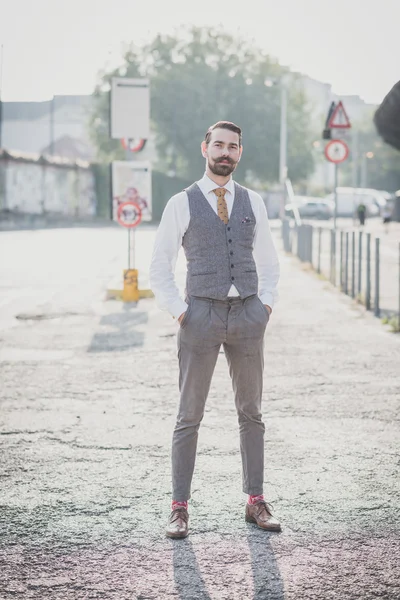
{"type": "Point", "coordinates": [88, 402]}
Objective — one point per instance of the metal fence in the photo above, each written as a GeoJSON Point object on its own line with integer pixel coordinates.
{"type": "Point", "coordinates": [352, 260]}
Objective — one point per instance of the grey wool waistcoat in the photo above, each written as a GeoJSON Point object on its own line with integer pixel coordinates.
{"type": "Point", "coordinates": [220, 255]}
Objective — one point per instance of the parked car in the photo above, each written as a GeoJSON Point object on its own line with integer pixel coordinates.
{"type": "Point", "coordinates": [311, 208]}
{"type": "Point", "coordinates": [348, 199]}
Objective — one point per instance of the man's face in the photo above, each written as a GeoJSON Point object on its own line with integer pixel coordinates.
{"type": "Point", "coordinates": [223, 152]}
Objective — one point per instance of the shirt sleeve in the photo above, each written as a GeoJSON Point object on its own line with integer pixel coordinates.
{"type": "Point", "coordinates": [264, 252]}
{"type": "Point", "coordinates": [165, 253]}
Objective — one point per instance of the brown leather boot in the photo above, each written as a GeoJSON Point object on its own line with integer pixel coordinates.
{"type": "Point", "coordinates": [178, 526]}
{"type": "Point", "coordinates": [261, 515]}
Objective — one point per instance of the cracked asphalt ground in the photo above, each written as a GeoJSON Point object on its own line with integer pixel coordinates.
{"type": "Point", "coordinates": [88, 402]}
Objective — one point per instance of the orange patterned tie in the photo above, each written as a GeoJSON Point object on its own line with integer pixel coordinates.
{"type": "Point", "coordinates": [221, 204]}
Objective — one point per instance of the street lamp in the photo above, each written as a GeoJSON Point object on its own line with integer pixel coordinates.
{"type": "Point", "coordinates": [364, 168]}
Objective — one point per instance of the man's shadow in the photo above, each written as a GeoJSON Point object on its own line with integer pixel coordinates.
{"type": "Point", "coordinates": [267, 580]}
{"type": "Point", "coordinates": [188, 579]}
{"type": "Point", "coordinates": [118, 331]}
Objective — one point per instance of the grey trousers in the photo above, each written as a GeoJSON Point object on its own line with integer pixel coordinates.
{"type": "Point", "coordinates": [240, 326]}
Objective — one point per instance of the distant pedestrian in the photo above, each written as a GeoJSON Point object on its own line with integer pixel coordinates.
{"type": "Point", "coordinates": [232, 274]}
{"type": "Point", "coordinates": [386, 216]}
{"type": "Point", "coordinates": [361, 212]}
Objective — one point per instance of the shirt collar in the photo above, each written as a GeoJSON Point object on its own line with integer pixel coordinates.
{"type": "Point", "coordinates": [209, 185]}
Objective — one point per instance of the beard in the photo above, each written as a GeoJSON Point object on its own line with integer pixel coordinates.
{"type": "Point", "coordinates": [221, 169]}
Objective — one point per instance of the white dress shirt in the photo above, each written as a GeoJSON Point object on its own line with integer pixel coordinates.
{"type": "Point", "coordinates": [172, 228]}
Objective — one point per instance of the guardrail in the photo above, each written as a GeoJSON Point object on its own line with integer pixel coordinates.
{"type": "Point", "coordinates": [351, 260]}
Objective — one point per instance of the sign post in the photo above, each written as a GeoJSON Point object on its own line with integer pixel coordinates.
{"type": "Point", "coordinates": [129, 215]}
{"type": "Point", "coordinates": [131, 179]}
{"type": "Point", "coordinates": [336, 151]}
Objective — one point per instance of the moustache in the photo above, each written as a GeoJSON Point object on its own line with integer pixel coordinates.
{"type": "Point", "coordinates": [225, 160]}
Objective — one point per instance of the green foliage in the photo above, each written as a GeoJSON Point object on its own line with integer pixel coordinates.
{"type": "Point", "coordinates": [102, 178]}
{"type": "Point", "coordinates": [200, 79]}
{"type": "Point", "coordinates": [382, 170]}
{"type": "Point", "coordinates": [384, 167]}
{"type": "Point", "coordinates": [163, 188]}
{"type": "Point", "coordinates": [394, 323]}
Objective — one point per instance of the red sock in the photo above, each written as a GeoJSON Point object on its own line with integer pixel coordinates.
{"type": "Point", "coordinates": [176, 504]}
{"type": "Point", "coordinates": [255, 499]}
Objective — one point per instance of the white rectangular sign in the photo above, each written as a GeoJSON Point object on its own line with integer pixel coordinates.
{"type": "Point", "coordinates": [131, 182]}
{"type": "Point", "coordinates": [130, 108]}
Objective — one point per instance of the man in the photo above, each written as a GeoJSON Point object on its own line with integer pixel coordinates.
{"type": "Point", "coordinates": [232, 274]}
{"type": "Point", "coordinates": [361, 211]}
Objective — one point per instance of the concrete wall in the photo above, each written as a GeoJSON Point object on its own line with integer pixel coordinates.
{"type": "Point", "coordinates": [39, 186]}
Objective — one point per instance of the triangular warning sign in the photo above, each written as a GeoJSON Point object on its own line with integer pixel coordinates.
{"type": "Point", "coordinates": [339, 118]}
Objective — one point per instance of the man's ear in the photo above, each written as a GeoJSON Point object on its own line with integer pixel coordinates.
{"type": "Point", "coordinates": [204, 149]}
{"type": "Point", "coordinates": [240, 155]}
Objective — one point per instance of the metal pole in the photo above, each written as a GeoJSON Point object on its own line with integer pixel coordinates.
{"type": "Point", "coordinates": [133, 248]}
{"type": "Point", "coordinates": [334, 256]}
{"type": "Point", "coordinates": [299, 240]}
{"type": "Point", "coordinates": [353, 264]}
{"type": "Point", "coordinates": [364, 176]}
{"type": "Point", "coordinates": [368, 287]}
{"type": "Point", "coordinates": [283, 136]}
{"type": "Point", "coordinates": [1, 88]}
{"type": "Point", "coordinates": [355, 158]}
{"type": "Point", "coordinates": [52, 126]}
{"type": "Point", "coordinates": [341, 261]}
{"type": "Point", "coordinates": [359, 261]}
{"type": "Point", "coordinates": [335, 195]}
{"type": "Point", "coordinates": [376, 300]}
{"type": "Point", "coordinates": [398, 313]}
{"type": "Point", "coordinates": [346, 268]}
{"type": "Point", "coordinates": [311, 243]}
{"type": "Point", "coordinates": [129, 248]}
{"type": "Point", "coordinates": [319, 249]}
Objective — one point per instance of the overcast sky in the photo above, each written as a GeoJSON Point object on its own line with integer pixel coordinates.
{"type": "Point", "coordinates": [57, 47]}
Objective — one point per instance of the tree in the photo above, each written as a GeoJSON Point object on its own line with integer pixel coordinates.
{"type": "Point", "coordinates": [204, 78]}
{"type": "Point", "coordinates": [375, 163]}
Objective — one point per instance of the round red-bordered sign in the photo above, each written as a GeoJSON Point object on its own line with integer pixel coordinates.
{"type": "Point", "coordinates": [133, 145]}
{"type": "Point", "coordinates": [129, 214]}
{"type": "Point", "coordinates": [336, 151]}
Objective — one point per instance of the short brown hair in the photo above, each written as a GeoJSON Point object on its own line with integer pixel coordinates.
{"type": "Point", "coordinates": [224, 125]}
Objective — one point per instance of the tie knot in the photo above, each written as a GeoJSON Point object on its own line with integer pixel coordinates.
{"type": "Point", "coordinates": [220, 192]}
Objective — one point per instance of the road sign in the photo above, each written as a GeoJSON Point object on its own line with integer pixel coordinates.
{"type": "Point", "coordinates": [340, 134]}
{"type": "Point", "coordinates": [129, 215]}
{"type": "Point", "coordinates": [130, 108]}
{"type": "Point", "coordinates": [336, 151]}
{"type": "Point", "coordinates": [131, 182]}
{"type": "Point", "coordinates": [338, 118]}
{"type": "Point", "coordinates": [133, 145]}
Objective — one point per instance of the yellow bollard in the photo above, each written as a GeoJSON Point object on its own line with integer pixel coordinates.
{"type": "Point", "coordinates": [130, 292]}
